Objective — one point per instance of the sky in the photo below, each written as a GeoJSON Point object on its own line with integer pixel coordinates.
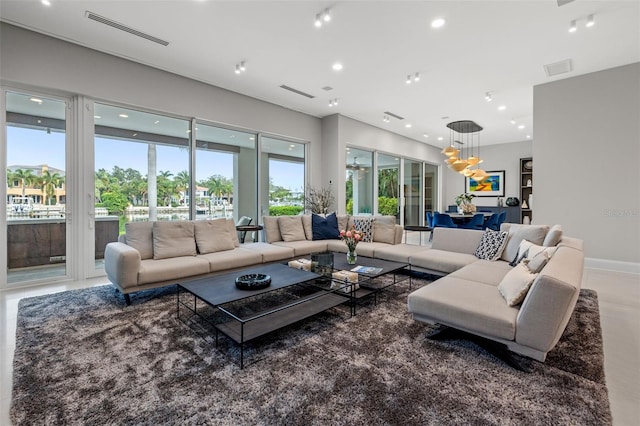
{"type": "Point", "coordinates": [34, 147]}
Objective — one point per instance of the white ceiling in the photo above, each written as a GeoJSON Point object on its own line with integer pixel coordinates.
{"type": "Point", "coordinates": [495, 46]}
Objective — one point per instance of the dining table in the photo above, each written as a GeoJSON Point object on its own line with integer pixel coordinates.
{"type": "Point", "coordinates": [462, 218]}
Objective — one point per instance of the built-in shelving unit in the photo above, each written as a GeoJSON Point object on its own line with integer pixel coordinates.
{"type": "Point", "coordinates": [526, 190]}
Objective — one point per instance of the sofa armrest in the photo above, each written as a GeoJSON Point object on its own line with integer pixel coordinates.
{"type": "Point", "coordinates": [122, 263]}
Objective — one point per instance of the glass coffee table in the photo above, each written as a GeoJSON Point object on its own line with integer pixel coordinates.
{"type": "Point", "coordinates": [244, 315]}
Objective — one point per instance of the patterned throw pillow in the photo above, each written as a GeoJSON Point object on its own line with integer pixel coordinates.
{"type": "Point", "coordinates": [365, 225]}
{"type": "Point", "coordinates": [491, 245]}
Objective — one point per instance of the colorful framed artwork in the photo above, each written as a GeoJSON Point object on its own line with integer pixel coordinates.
{"type": "Point", "coordinates": [492, 186]}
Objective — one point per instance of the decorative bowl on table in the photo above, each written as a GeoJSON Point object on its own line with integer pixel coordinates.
{"type": "Point", "coordinates": [253, 281]}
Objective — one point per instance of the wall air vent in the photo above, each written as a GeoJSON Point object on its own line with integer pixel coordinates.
{"type": "Point", "coordinates": [558, 68]}
{"type": "Point", "coordinates": [296, 91]}
{"type": "Point", "coordinates": [124, 28]}
{"type": "Point", "coordinates": [390, 114]}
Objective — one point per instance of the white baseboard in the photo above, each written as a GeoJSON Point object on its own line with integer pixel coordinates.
{"type": "Point", "coordinates": [612, 265]}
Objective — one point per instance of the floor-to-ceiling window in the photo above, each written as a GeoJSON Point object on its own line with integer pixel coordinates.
{"type": "Point", "coordinates": [282, 180]}
{"type": "Point", "coordinates": [359, 181]}
{"type": "Point", "coordinates": [430, 188]}
{"type": "Point", "coordinates": [36, 197]}
{"type": "Point", "coordinates": [388, 185]}
{"type": "Point", "coordinates": [412, 192]}
{"type": "Point", "coordinates": [226, 173]}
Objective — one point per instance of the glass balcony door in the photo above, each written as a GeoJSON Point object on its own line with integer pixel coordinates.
{"type": "Point", "coordinates": [36, 192]}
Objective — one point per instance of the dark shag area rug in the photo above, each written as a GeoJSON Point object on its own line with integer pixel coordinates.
{"type": "Point", "coordinates": [84, 358]}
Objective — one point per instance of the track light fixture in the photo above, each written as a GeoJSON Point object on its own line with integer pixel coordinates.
{"type": "Point", "coordinates": [386, 118]}
{"type": "Point", "coordinates": [416, 77]}
{"type": "Point", "coordinates": [240, 68]}
{"type": "Point", "coordinates": [487, 97]}
{"type": "Point", "coordinates": [590, 21]}
{"type": "Point", "coordinates": [324, 16]}
{"type": "Point", "coordinates": [409, 79]}
{"type": "Point", "coordinates": [573, 27]}
{"type": "Point", "coordinates": [333, 102]}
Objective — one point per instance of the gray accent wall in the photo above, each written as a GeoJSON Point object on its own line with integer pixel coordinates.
{"type": "Point", "coordinates": [586, 160]}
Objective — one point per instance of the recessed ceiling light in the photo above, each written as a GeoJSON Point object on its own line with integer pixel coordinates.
{"type": "Point", "coordinates": [337, 66]}
{"type": "Point", "coordinates": [521, 126]}
{"type": "Point", "coordinates": [438, 22]}
{"type": "Point", "coordinates": [46, 2]}
{"type": "Point", "coordinates": [36, 100]}
{"type": "Point", "coordinates": [528, 136]}
{"type": "Point", "coordinates": [440, 138]}
{"type": "Point", "coordinates": [156, 122]}
{"type": "Point", "coordinates": [502, 107]}
{"type": "Point", "coordinates": [425, 135]}
{"type": "Point", "coordinates": [292, 146]}
{"type": "Point", "coordinates": [97, 116]}
{"type": "Point", "coordinates": [408, 125]}
{"type": "Point", "coordinates": [512, 121]}
{"type": "Point", "coordinates": [123, 116]}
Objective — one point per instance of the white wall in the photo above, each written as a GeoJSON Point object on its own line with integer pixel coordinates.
{"type": "Point", "coordinates": [586, 160]}
{"type": "Point", "coordinates": [495, 157]}
{"type": "Point", "coordinates": [40, 61]}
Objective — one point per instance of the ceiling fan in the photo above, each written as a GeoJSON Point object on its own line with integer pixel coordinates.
{"type": "Point", "coordinates": [355, 165]}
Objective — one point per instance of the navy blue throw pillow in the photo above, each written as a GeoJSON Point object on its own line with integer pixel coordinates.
{"type": "Point", "coordinates": [325, 228]}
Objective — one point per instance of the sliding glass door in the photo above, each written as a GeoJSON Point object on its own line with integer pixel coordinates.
{"type": "Point", "coordinates": [388, 185]}
{"type": "Point", "coordinates": [36, 191]}
{"type": "Point", "coordinates": [412, 192]}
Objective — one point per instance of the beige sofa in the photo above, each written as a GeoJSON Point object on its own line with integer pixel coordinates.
{"type": "Point", "coordinates": [470, 298]}
{"type": "Point", "coordinates": [156, 254]}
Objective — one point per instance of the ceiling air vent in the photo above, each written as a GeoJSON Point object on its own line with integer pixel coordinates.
{"type": "Point", "coordinates": [558, 68]}
{"type": "Point", "coordinates": [390, 114]}
{"type": "Point", "coordinates": [124, 28]}
{"type": "Point", "coordinates": [563, 2]}
{"type": "Point", "coordinates": [296, 91]}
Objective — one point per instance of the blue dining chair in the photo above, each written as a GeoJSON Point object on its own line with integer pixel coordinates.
{"type": "Point", "coordinates": [443, 220]}
{"type": "Point", "coordinates": [430, 219]}
{"type": "Point", "coordinates": [476, 222]}
{"type": "Point", "coordinates": [501, 219]}
{"type": "Point", "coordinates": [492, 222]}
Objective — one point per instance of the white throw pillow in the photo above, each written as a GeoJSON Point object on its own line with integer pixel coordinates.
{"type": "Point", "coordinates": [528, 250]}
{"type": "Point", "coordinates": [515, 285]}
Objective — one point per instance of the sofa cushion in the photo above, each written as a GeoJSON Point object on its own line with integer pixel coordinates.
{"type": "Point", "coordinates": [384, 229]}
{"type": "Point", "coordinates": [231, 228]}
{"type": "Point", "coordinates": [398, 252]}
{"type": "Point", "coordinates": [484, 271]}
{"type": "Point", "coordinates": [553, 237]}
{"type": "Point", "coordinates": [291, 228]}
{"type": "Point", "coordinates": [173, 239]}
{"type": "Point", "coordinates": [271, 229]}
{"type": "Point", "coordinates": [307, 226]}
{"type": "Point", "coordinates": [516, 283]}
{"type": "Point", "coordinates": [304, 247]}
{"type": "Point", "coordinates": [517, 233]}
{"type": "Point", "coordinates": [441, 260]}
{"type": "Point", "coordinates": [270, 252]}
{"type": "Point", "coordinates": [453, 301]}
{"type": "Point", "coordinates": [325, 228]}
{"type": "Point", "coordinates": [365, 225]}
{"type": "Point", "coordinates": [491, 245]}
{"type": "Point", "coordinates": [213, 236]}
{"type": "Point", "coordinates": [174, 268]}
{"type": "Point", "coordinates": [231, 259]}
{"type": "Point", "coordinates": [140, 237]}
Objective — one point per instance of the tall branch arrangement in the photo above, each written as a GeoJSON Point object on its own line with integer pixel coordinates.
{"type": "Point", "coordinates": [318, 200]}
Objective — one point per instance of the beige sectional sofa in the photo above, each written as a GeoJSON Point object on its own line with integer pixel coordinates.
{"type": "Point", "coordinates": [156, 254]}
{"type": "Point", "coordinates": [470, 296]}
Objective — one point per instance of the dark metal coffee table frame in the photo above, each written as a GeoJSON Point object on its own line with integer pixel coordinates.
{"type": "Point", "coordinates": [369, 283]}
{"type": "Point", "coordinates": [219, 290]}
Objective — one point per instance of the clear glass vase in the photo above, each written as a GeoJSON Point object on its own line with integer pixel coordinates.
{"type": "Point", "coordinates": [352, 257]}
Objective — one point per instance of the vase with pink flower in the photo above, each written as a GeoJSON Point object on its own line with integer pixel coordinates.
{"type": "Point", "coordinates": [351, 238]}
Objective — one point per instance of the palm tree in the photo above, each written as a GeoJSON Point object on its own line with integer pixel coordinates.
{"type": "Point", "coordinates": [182, 181]}
{"type": "Point", "coordinates": [26, 177]}
{"type": "Point", "coordinates": [49, 183]}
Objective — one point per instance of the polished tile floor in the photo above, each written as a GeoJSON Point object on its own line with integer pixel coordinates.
{"type": "Point", "coordinates": [619, 296]}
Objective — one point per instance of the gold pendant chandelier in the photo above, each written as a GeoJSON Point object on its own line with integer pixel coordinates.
{"type": "Point", "coordinates": [463, 152]}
